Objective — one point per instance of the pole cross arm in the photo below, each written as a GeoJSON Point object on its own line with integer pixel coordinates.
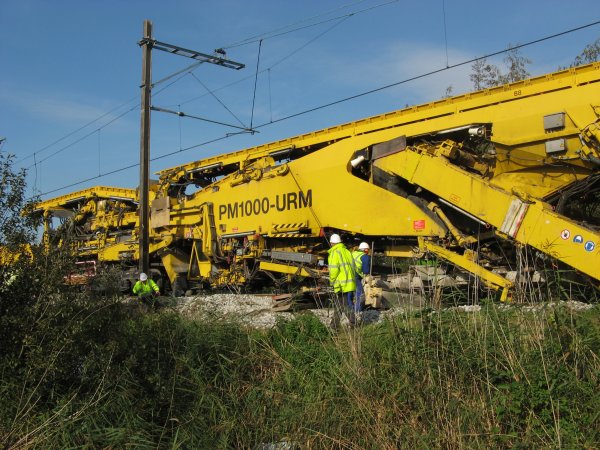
{"type": "Point", "coordinates": [199, 56]}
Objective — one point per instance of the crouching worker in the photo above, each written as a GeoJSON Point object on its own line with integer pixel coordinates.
{"type": "Point", "coordinates": [146, 289]}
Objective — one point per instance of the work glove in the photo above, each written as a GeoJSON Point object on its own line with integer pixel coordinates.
{"type": "Point", "coordinates": [156, 293]}
{"type": "Point", "coordinates": [367, 280]}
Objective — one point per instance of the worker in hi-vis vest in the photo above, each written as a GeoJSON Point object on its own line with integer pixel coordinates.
{"type": "Point", "coordinates": [342, 276]}
{"type": "Point", "coordinates": [145, 288]}
{"type": "Point", "coordinates": [362, 265]}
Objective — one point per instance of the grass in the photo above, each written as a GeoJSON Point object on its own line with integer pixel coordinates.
{"type": "Point", "coordinates": [502, 379]}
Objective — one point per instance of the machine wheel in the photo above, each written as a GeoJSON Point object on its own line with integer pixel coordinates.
{"type": "Point", "coordinates": [179, 287]}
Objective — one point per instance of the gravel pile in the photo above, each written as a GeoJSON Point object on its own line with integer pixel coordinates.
{"type": "Point", "coordinates": [250, 310]}
{"type": "Point", "coordinates": [571, 304]}
{"type": "Point", "coordinates": [256, 310]}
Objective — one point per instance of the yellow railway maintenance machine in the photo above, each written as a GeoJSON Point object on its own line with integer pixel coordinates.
{"type": "Point", "coordinates": [484, 181]}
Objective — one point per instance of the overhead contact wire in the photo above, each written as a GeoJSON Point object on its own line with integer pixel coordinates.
{"type": "Point", "coordinates": [310, 41]}
{"type": "Point", "coordinates": [433, 72]}
{"type": "Point", "coordinates": [131, 166]}
{"type": "Point", "coordinates": [84, 137]}
{"type": "Point", "coordinates": [187, 69]}
{"type": "Point", "coordinates": [284, 30]}
{"type": "Point", "coordinates": [536, 41]}
{"type": "Point", "coordinates": [75, 131]}
{"type": "Point", "coordinates": [255, 82]}
{"type": "Point", "coordinates": [218, 99]}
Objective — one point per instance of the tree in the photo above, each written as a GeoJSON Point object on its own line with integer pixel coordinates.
{"type": "Point", "coordinates": [516, 65]}
{"type": "Point", "coordinates": [16, 226]}
{"type": "Point", "coordinates": [485, 75]}
{"type": "Point", "coordinates": [590, 54]}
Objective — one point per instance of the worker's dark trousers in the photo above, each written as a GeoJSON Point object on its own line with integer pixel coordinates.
{"type": "Point", "coordinates": [344, 304]}
{"type": "Point", "coordinates": [359, 301]}
{"type": "Point", "coordinates": [147, 301]}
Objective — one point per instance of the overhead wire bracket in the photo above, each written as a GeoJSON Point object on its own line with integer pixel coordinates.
{"type": "Point", "coordinates": [193, 54]}
{"type": "Point", "coordinates": [182, 114]}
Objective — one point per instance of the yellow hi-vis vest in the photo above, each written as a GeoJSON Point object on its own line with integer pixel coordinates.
{"type": "Point", "coordinates": [146, 288]}
{"type": "Point", "coordinates": [341, 269]}
{"type": "Point", "coordinates": [357, 256]}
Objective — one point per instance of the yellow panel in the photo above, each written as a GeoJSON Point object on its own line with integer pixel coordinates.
{"type": "Point", "coordinates": [282, 268]}
{"type": "Point", "coordinates": [98, 191]}
{"type": "Point", "coordinates": [540, 227]}
{"type": "Point", "coordinates": [489, 105]}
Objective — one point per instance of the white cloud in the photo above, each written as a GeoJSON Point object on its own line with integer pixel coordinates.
{"type": "Point", "coordinates": [64, 110]}
{"type": "Point", "coordinates": [404, 61]}
{"type": "Point", "coordinates": [54, 108]}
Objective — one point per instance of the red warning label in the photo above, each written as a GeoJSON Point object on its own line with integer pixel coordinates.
{"type": "Point", "coordinates": [419, 225]}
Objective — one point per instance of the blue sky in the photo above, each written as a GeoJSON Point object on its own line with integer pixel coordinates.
{"type": "Point", "coordinates": [71, 70]}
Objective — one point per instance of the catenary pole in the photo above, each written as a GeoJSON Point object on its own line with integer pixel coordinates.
{"type": "Point", "coordinates": [148, 43]}
{"type": "Point", "coordinates": [146, 88]}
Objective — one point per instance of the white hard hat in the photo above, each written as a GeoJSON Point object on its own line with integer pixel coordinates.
{"type": "Point", "coordinates": [363, 246]}
{"type": "Point", "coordinates": [335, 239]}
{"type": "Point", "coordinates": [143, 276]}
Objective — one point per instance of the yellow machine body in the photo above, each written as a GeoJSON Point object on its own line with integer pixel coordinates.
{"type": "Point", "coordinates": [501, 165]}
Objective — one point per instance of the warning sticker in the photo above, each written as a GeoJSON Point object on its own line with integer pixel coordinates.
{"type": "Point", "coordinates": [589, 246]}
{"type": "Point", "coordinates": [578, 239]}
{"type": "Point", "coordinates": [565, 234]}
{"type": "Point", "coordinates": [454, 198]}
{"type": "Point", "coordinates": [419, 225]}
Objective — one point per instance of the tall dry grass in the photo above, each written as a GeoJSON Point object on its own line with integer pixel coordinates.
{"type": "Point", "coordinates": [502, 377]}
